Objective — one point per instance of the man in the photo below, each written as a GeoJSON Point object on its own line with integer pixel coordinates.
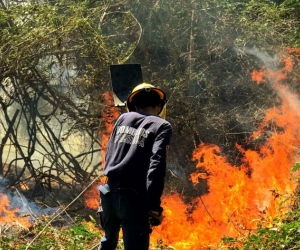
{"type": "Point", "coordinates": [135, 166]}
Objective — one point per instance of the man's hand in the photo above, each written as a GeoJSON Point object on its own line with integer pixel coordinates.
{"type": "Point", "coordinates": [155, 218]}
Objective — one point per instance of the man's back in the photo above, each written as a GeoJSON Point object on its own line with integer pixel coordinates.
{"type": "Point", "coordinates": [138, 143]}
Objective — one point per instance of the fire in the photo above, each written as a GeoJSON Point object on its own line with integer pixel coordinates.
{"type": "Point", "coordinates": [9, 215]}
{"type": "Point", "coordinates": [23, 186]}
{"type": "Point", "coordinates": [258, 76]}
{"type": "Point", "coordinates": [92, 196]}
{"type": "Point", "coordinates": [239, 196]}
{"type": "Point", "coordinates": [109, 114]}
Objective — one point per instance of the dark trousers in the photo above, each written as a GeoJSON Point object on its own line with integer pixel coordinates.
{"type": "Point", "coordinates": [126, 209]}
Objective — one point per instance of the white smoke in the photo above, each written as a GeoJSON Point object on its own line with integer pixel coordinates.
{"type": "Point", "coordinates": [272, 62]}
{"type": "Point", "coordinates": [18, 201]}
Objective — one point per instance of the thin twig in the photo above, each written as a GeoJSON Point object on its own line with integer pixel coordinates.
{"type": "Point", "coordinates": [206, 209]}
{"type": "Point", "coordinates": [26, 205]}
{"type": "Point", "coordinates": [93, 247]}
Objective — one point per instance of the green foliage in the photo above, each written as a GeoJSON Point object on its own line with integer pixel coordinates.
{"type": "Point", "coordinates": [281, 236]}
{"type": "Point", "coordinates": [296, 167]}
{"type": "Point", "coordinates": [77, 237]}
{"type": "Point", "coordinates": [269, 23]}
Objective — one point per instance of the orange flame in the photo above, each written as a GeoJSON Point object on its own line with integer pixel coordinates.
{"type": "Point", "coordinates": [109, 115]}
{"type": "Point", "coordinates": [23, 186]}
{"type": "Point", "coordinates": [258, 76]}
{"type": "Point", "coordinates": [239, 196]}
{"type": "Point", "coordinates": [92, 196]}
{"type": "Point", "coordinates": [9, 216]}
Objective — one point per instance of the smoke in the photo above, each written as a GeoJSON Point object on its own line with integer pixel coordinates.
{"type": "Point", "coordinates": [177, 171]}
{"type": "Point", "coordinates": [24, 207]}
{"type": "Point", "coordinates": [270, 61]}
{"type": "Point", "coordinates": [276, 76]}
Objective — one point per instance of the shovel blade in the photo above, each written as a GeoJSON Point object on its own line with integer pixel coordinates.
{"type": "Point", "coordinates": [124, 77]}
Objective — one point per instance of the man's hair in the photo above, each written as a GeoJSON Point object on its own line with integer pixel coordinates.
{"type": "Point", "coordinates": [147, 98]}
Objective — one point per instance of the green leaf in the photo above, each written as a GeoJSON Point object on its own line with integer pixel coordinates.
{"type": "Point", "coordinates": [296, 167]}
